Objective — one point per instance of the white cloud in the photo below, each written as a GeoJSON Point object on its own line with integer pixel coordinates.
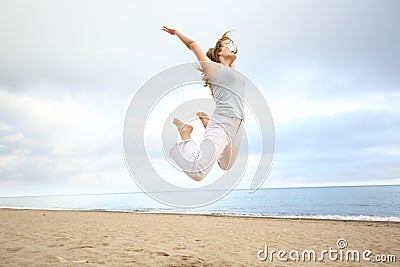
{"type": "Point", "coordinates": [63, 140]}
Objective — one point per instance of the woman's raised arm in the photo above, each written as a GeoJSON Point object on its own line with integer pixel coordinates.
{"type": "Point", "coordinates": [210, 69]}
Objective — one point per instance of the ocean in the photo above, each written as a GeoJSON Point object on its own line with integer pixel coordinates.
{"type": "Point", "coordinates": [375, 203]}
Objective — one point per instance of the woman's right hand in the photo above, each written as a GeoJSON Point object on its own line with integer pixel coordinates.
{"type": "Point", "coordinates": [169, 30]}
{"type": "Point", "coordinates": [209, 69]}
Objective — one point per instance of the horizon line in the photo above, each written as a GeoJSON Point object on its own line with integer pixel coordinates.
{"type": "Point", "coordinates": [262, 188]}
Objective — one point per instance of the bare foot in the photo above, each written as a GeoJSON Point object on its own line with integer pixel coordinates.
{"type": "Point", "coordinates": [184, 129]}
{"type": "Point", "coordinates": [204, 118]}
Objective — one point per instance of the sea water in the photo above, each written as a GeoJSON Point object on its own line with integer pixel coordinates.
{"type": "Point", "coordinates": [378, 203]}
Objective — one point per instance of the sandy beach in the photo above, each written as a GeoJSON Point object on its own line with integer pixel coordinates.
{"type": "Point", "coordinates": [89, 238]}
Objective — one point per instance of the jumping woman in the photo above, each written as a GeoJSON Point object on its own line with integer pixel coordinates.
{"type": "Point", "coordinates": [223, 130]}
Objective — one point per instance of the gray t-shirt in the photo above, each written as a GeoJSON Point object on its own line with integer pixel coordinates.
{"type": "Point", "coordinates": [228, 87]}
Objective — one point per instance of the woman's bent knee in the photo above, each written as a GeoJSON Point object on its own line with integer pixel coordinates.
{"type": "Point", "coordinates": [224, 166]}
{"type": "Point", "coordinates": [197, 176]}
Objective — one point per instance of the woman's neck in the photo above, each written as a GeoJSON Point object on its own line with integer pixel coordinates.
{"type": "Point", "coordinates": [230, 64]}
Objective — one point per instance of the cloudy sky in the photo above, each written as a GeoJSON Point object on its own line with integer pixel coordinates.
{"type": "Point", "coordinates": [329, 71]}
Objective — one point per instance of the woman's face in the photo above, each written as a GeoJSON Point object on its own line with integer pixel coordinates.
{"type": "Point", "coordinates": [227, 50]}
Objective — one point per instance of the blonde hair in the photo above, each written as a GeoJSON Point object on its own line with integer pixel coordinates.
{"type": "Point", "coordinates": [212, 54]}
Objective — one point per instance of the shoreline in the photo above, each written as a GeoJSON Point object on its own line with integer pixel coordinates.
{"type": "Point", "coordinates": [211, 214]}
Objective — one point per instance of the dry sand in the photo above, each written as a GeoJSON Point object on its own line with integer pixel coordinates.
{"type": "Point", "coordinates": [72, 238]}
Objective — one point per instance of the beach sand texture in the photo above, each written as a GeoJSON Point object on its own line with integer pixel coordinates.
{"type": "Point", "coordinates": [88, 238]}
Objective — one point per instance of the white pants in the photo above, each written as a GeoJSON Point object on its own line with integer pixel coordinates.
{"type": "Point", "coordinates": [221, 144]}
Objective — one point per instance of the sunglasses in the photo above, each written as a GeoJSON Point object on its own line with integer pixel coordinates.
{"type": "Point", "coordinates": [231, 47]}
